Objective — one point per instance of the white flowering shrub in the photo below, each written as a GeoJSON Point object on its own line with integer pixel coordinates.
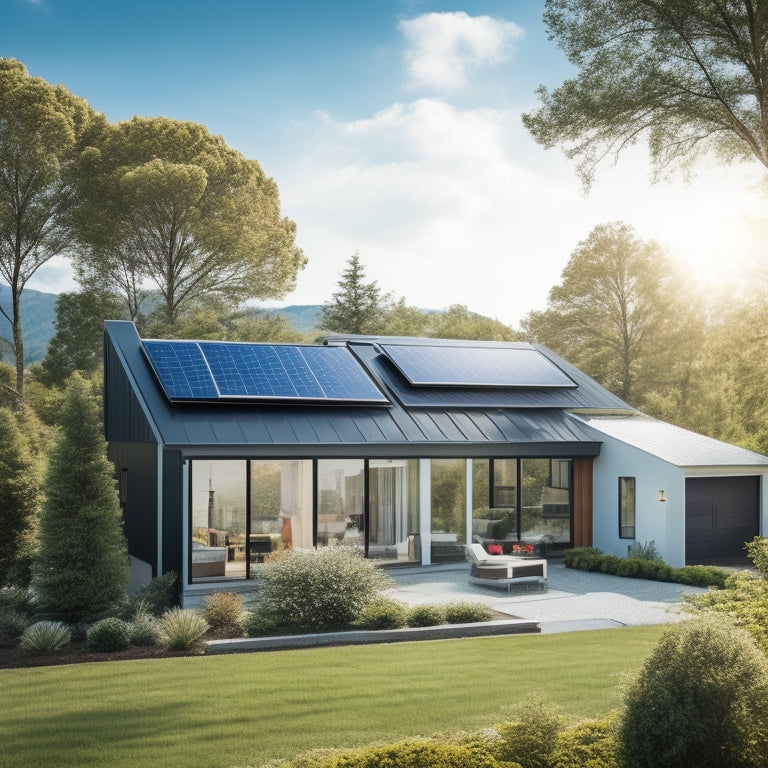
{"type": "Point", "coordinates": [321, 590]}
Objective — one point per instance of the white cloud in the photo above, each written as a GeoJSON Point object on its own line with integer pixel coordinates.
{"type": "Point", "coordinates": [444, 48]}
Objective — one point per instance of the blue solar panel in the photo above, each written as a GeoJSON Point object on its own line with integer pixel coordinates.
{"type": "Point", "coordinates": [181, 369]}
{"type": "Point", "coordinates": [261, 371]}
{"type": "Point", "coordinates": [459, 366]}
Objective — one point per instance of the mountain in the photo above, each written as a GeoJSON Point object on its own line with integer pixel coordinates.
{"type": "Point", "coordinates": [38, 314]}
{"type": "Point", "coordinates": [303, 317]}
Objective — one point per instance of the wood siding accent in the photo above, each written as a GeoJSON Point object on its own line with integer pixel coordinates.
{"type": "Point", "coordinates": [582, 501]}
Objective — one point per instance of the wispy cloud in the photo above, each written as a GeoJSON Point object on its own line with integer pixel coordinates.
{"type": "Point", "coordinates": [445, 48]}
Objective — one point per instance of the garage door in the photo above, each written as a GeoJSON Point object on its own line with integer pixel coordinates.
{"type": "Point", "coordinates": [721, 513]}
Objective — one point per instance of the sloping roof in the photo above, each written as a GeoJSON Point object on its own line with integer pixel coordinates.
{"type": "Point", "coordinates": [672, 444]}
{"type": "Point", "coordinates": [450, 429]}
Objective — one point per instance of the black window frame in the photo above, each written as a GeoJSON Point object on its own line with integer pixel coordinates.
{"type": "Point", "coordinates": [625, 483]}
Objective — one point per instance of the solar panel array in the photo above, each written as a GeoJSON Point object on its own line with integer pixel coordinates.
{"type": "Point", "coordinates": [475, 366]}
{"type": "Point", "coordinates": [210, 370]}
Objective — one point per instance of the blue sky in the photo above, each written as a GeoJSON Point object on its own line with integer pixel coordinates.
{"type": "Point", "coordinates": [391, 128]}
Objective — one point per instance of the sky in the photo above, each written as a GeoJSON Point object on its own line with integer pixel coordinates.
{"type": "Point", "coordinates": [392, 128]}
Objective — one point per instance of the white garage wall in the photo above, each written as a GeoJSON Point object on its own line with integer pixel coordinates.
{"type": "Point", "coordinates": [660, 522]}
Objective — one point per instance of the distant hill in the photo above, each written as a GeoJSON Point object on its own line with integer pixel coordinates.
{"type": "Point", "coordinates": [303, 317]}
{"type": "Point", "coordinates": [38, 314]}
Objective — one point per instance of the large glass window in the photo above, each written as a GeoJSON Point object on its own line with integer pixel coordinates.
{"type": "Point", "coordinates": [218, 519]}
{"type": "Point", "coordinates": [627, 507]}
{"type": "Point", "coordinates": [340, 496]}
{"type": "Point", "coordinates": [449, 504]}
{"type": "Point", "coordinates": [393, 488]}
{"type": "Point", "coordinates": [546, 501]}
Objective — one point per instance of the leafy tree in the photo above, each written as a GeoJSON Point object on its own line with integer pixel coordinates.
{"type": "Point", "coordinates": [42, 129]}
{"type": "Point", "coordinates": [459, 323]}
{"type": "Point", "coordinates": [77, 344]}
{"type": "Point", "coordinates": [80, 573]}
{"type": "Point", "coordinates": [615, 312]}
{"type": "Point", "coordinates": [357, 307]}
{"type": "Point", "coordinates": [685, 75]}
{"type": "Point", "coordinates": [165, 203]}
{"type": "Point", "coordinates": [19, 500]}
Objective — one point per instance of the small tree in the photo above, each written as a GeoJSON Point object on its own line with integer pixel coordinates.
{"type": "Point", "coordinates": [357, 307]}
{"type": "Point", "coordinates": [700, 699]}
{"type": "Point", "coordinates": [19, 500]}
{"type": "Point", "coordinates": [81, 570]}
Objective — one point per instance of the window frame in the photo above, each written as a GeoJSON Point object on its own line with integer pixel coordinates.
{"type": "Point", "coordinates": [627, 485]}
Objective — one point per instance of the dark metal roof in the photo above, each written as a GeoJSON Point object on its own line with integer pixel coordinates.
{"type": "Point", "coordinates": [526, 426]}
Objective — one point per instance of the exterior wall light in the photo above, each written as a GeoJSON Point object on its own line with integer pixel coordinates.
{"type": "Point", "coordinates": [661, 497]}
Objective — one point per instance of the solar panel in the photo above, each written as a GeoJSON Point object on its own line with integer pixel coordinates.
{"type": "Point", "coordinates": [181, 369]}
{"type": "Point", "coordinates": [476, 366]}
{"type": "Point", "coordinates": [279, 372]}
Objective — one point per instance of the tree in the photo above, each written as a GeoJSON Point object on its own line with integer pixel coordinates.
{"type": "Point", "coordinates": [42, 129]}
{"type": "Point", "coordinates": [19, 500]}
{"type": "Point", "coordinates": [459, 323]}
{"type": "Point", "coordinates": [80, 573]}
{"type": "Point", "coordinates": [685, 75]}
{"type": "Point", "coordinates": [165, 203]}
{"type": "Point", "coordinates": [357, 307]}
{"type": "Point", "coordinates": [612, 314]}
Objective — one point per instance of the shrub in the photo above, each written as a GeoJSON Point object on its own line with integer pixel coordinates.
{"type": "Point", "coordinates": [530, 738]}
{"type": "Point", "coordinates": [583, 558]}
{"type": "Point", "coordinates": [640, 568]}
{"type": "Point", "coordinates": [12, 626]}
{"type": "Point", "coordinates": [414, 753]}
{"type": "Point", "coordinates": [466, 613]}
{"type": "Point", "coordinates": [643, 551]}
{"type": "Point", "coordinates": [383, 613]}
{"type": "Point", "coordinates": [700, 699]}
{"type": "Point", "coordinates": [182, 628]}
{"type": "Point", "coordinates": [610, 564]}
{"type": "Point", "coordinates": [223, 611]}
{"type": "Point", "coordinates": [321, 590]}
{"type": "Point", "coordinates": [425, 616]}
{"type": "Point", "coordinates": [110, 634]}
{"type": "Point", "coordinates": [18, 599]}
{"type": "Point", "coordinates": [155, 597]}
{"type": "Point", "coordinates": [757, 550]}
{"type": "Point", "coordinates": [700, 576]}
{"type": "Point", "coordinates": [45, 637]}
{"type": "Point", "coordinates": [143, 630]}
{"type": "Point", "coordinates": [260, 623]}
{"type": "Point", "coordinates": [591, 744]}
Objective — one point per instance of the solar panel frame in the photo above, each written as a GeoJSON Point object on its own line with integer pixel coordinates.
{"type": "Point", "coordinates": [476, 367]}
{"type": "Point", "coordinates": [181, 369]}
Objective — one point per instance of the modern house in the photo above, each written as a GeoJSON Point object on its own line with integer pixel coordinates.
{"type": "Point", "coordinates": [404, 448]}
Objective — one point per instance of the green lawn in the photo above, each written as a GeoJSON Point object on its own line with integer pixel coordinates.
{"type": "Point", "coordinates": [245, 709]}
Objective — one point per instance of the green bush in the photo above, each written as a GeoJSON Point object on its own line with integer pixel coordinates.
{"type": "Point", "coordinates": [260, 623]}
{"type": "Point", "coordinates": [182, 628]}
{"type": "Point", "coordinates": [12, 626]}
{"type": "Point", "coordinates": [414, 753]}
{"type": "Point", "coordinates": [466, 613]}
{"type": "Point", "coordinates": [701, 699]}
{"type": "Point", "coordinates": [584, 559]}
{"type": "Point", "coordinates": [110, 634]}
{"type": "Point", "coordinates": [700, 576]}
{"type": "Point", "coordinates": [425, 616]}
{"type": "Point", "coordinates": [143, 630]}
{"type": "Point", "coordinates": [45, 637]}
{"type": "Point", "coordinates": [591, 744]}
{"type": "Point", "coordinates": [155, 597]}
{"type": "Point", "coordinates": [757, 551]}
{"type": "Point", "coordinates": [610, 564]}
{"type": "Point", "coordinates": [529, 738]}
{"type": "Point", "coordinates": [321, 590]}
{"type": "Point", "coordinates": [223, 611]}
{"type": "Point", "coordinates": [642, 568]}
{"type": "Point", "coordinates": [18, 599]}
{"type": "Point", "coordinates": [383, 613]}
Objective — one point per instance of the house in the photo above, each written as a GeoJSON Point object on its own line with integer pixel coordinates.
{"type": "Point", "coordinates": [404, 448]}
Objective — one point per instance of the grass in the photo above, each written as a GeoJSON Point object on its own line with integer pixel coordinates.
{"type": "Point", "coordinates": [246, 709]}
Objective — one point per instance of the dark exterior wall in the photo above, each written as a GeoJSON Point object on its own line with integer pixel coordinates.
{"type": "Point", "coordinates": [582, 502]}
{"type": "Point", "coordinates": [140, 494]}
{"type": "Point", "coordinates": [173, 512]}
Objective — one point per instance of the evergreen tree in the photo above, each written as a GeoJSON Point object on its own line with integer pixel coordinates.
{"type": "Point", "coordinates": [357, 307]}
{"type": "Point", "coordinates": [81, 570]}
{"type": "Point", "coordinates": [19, 500]}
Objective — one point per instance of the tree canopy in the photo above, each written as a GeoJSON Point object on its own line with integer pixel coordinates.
{"type": "Point", "coordinates": [164, 203]}
{"type": "Point", "coordinates": [42, 130]}
{"type": "Point", "coordinates": [616, 313]}
{"type": "Point", "coordinates": [686, 76]}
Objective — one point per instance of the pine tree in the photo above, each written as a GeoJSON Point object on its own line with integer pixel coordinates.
{"type": "Point", "coordinates": [19, 500]}
{"type": "Point", "coordinates": [81, 570]}
{"type": "Point", "coordinates": [357, 307]}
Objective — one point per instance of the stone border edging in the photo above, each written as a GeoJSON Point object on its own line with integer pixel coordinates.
{"type": "Point", "coordinates": [366, 637]}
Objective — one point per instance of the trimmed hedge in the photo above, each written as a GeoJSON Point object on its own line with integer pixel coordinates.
{"type": "Point", "coordinates": [592, 559]}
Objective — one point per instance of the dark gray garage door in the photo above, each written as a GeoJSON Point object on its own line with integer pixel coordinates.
{"type": "Point", "coordinates": [721, 513]}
